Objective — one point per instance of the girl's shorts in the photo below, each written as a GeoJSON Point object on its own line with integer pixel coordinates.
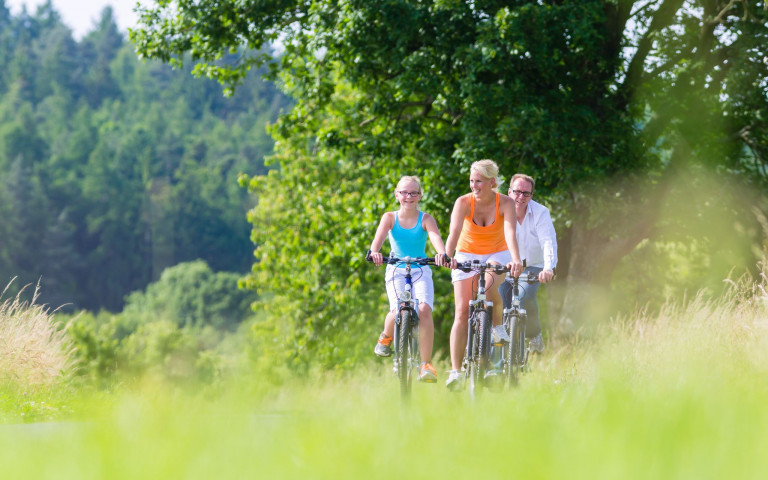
{"type": "Point", "coordinates": [422, 287]}
{"type": "Point", "coordinates": [502, 258]}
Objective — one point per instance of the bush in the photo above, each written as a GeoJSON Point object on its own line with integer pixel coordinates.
{"type": "Point", "coordinates": [191, 294]}
{"type": "Point", "coordinates": [96, 340]}
{"type": "Point", "coordinates": [184, 326]}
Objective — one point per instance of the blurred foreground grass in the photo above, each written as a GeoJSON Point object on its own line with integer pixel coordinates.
{"type": "Point", "coordinates": [683, 394]}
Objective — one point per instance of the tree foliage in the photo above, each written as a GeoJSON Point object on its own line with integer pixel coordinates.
{"type": "Point", "coordinates": [191, 294]}
{"type": "Point", "coordinates": [114, 169]}
{"type": "Point", "coordinates": [608, 103]}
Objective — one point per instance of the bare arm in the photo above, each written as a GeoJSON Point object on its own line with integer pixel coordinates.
{"type": "Point", "coordinates": [385, 225]}
{"type": "Point", "coordinates": [430, 225]}
{"type": "Point", "coordinates": [460, 210]}
{"type": "Point", "coordinates": [507, 208]}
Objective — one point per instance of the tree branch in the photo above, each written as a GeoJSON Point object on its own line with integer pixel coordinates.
{"type": "Point", "coordinates": [642, 9]}
{"type": "Point", "coordinates": [367, 121]}
{"type": "Point", "coordinates": [745, 134]}
{"type": "Point", "coordinates": [667, 66]}
{"type": "Point", "coordinates": [661, 19]}
{"type": "Point", "coordinates": [721, 16]}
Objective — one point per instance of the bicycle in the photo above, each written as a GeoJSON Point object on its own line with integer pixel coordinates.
{"type": "Point", "coordinates": [406, 357]}
{"type": "Point", "coordinates": [514, 355]}
{"type": "Point", "coordinates": [477, 357]}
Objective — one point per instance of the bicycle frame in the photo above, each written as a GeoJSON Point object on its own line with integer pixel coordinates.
{"type": "Point", "coordinates": [406, 357]}
{"type": "Point", "coordinates": [406, 338]}
{"type": "Point", "coordinates": [479, 325]}
{"type": "Point", "coordinates": [515, 354]}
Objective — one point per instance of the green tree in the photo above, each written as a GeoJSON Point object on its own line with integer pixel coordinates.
{"type": "Point", "coordinates": [6, 42]}
{"type": "Point", "coordinates": [98, 49]}
{"type": "Point", "coordinates": [605, 102]}
{"type": "Point", "coordinates": [115, 169]}
{"type": "Point", "coordinates": [25, 222]}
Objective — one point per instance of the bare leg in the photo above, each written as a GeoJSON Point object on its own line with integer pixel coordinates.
{"type": "Point", "coordinates": [492, 282]}
{"type": "Point", "coordinates": [426, 332]}
{"type": "Point", "coordinates": [462, 294]}
{"type": "Point", "coordinates": [389, 324]}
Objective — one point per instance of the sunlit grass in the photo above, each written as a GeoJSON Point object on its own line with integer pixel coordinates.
{"type": "Point", "coordinates": [33, 348]}
{"type": "Point", "coordinates": [683, 394]}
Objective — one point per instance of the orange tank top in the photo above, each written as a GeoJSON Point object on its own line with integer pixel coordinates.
{"type": "Point", "coordinates": [482, 240]}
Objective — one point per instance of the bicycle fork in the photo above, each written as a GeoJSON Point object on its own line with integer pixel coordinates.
{"type": "Point", "coordinates": [407, 302]}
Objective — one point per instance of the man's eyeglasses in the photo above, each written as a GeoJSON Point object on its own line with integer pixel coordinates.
{"type": "Point", "coordinates": [409, 194]}
{"type": "Point", "coordinates": [521, 192]}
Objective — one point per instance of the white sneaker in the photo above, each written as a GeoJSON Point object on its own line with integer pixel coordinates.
{"type": "Point", "coordinates": [537, 344]}
{"type": "Point", "coordinates": [455, 380]}
{"type": "Point", "coordinates": [499, 335]}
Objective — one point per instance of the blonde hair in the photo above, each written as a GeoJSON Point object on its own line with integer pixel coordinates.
{"type": "Point", "coordinates": [409, 178]}
{"type": "Point", "coordinates": [489, 169]}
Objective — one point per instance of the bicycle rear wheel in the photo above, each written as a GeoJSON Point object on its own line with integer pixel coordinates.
{"type": "Point", "coordinates": [403, 353]}
{"type": "Point", "coordinates": [523, 347]}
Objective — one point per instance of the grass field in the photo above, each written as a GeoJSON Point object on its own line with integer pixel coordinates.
{"type": "Point", "coordinates": [681, 395]}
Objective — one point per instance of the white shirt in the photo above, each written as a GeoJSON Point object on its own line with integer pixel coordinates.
{"type": "Point", "coordinates": [536, 237]}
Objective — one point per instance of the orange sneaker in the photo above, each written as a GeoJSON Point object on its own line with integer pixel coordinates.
{"type": "Point", "coordinates": [427, 373]}
{"type": "Point", "coordinates": [383, 348]}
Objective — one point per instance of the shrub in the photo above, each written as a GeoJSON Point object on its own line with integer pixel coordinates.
{"type": "Point", "coordinates": [191, 294]}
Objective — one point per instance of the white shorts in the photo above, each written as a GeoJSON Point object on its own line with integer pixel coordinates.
{"type": "Point", "coordinates": [502, 258]}
{"type": "Point", "coordinates": [421, 284]}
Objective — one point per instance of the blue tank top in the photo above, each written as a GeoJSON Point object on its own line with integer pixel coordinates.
{"type": "Point", "coordinates": [410, 242]}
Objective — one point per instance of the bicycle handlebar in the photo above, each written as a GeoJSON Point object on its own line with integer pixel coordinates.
{"type": "Point", "coordinates": [412, 260]}
{"type": "Point", "coordinates": [527, 277]}
{"type": "Point", "coordinates": [530, 277]}
{"type": "Point", "coordinates": [478, 266]}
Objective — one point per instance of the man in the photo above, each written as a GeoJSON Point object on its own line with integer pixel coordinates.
{"type": "Point", "coordinates": [537, 244]}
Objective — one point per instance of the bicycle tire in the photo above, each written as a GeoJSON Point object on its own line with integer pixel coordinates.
{"type": "Point", "coordinates": [403, 352]}
{"type": "Point", "coordinates": [472, 356]}
{"type": "Point", "coordinates": [512, 360]}
{"type": "Point", "coordinates": [414, 354]}
{"type": "Point", "coordinates": [484, 341]}
{"type": "Point", "coordinates": [523, 348]}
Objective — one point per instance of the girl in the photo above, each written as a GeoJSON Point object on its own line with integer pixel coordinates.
{"type": "Point", "coordinates": [408, 229]}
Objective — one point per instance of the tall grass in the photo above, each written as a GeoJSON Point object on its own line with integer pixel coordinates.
{"type": "Point", "coordinates": [34, 350]}
{"type": "Point", "coordinates": [681, 394]}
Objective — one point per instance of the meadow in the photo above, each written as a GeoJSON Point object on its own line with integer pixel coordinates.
{"type": "Point", "coordinates": [682, 393]}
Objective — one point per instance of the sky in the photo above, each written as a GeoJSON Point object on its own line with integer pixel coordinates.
{"type": "Point", "coordinates": [82, 15]}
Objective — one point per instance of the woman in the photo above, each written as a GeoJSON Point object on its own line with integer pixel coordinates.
{"type": "Point", "coordinates": [483, 229]}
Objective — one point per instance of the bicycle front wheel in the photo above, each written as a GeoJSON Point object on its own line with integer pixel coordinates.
{"type": "Point", "coordinates": [484, 341]}
{"type": "Point", "coordinates": [512, 359]}
{"type": "Point", "coordinates": [471, 360]}
{"type": "Point", "coordinates": [403, 353]}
